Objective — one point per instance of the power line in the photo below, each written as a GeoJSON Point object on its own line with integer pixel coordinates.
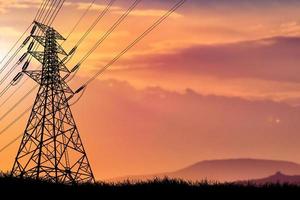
{"type": "Point", "coordinates": [96, 21]}
{"type": "Point", "coordinates": [18, 102]}
{"type": "Point", "coordinates": [100, 16]}
{"type": "Point", "coordinates": [79, 20]}
{"type": "Point", "coordinates": [10, 143]}
{"type": "Point", "coordinates": [5, 77]}
{"type": "Point", "coordinates": [13, 93]}
{"type": "Point", "coordinates": [117, 23]}
{"type": "Point", "coordinates": [44, 21]}
{"type": "Point", "coordinates": [18, 50]}
{"type": "Point", "coordinates": [144, 34]}
{"type": "Point", "coordinates": [15, 53]}
{"type": "Point", "coordinates": [43, 7]}
{"type": "Point", "coordinates": [36, 46]}
{"type": "Point", "coordinates": [15, 120]}
{"type": "Point", "coordinates": [38, 14]}
{"type": "Point", "coordinates": [5, 90]}
{"type": "Point", "coordinates": [30, 91]}
{"type": "Point", "coordinates": [22, 114]}
{"type": "Point", "coordinates": [29, 59]}
{"type": "Point", "coordinates": [53, 17]}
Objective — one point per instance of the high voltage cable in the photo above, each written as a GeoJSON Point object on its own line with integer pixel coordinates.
{"type": "Point", "coordinates": [10, 143]}
{"type": "Point", "coordinates": [51, 7]}
{"type": "Point", "coordinates": [20, 85]}
{"type": "Point", "coordinates": [56, 13]}
{"type": "Point", "coordinates": [13, 93]}
{"type": "Point", "coordinates": [117, 23]}
{"type": "Point", "coordinates": [5, 90]}
{"type": "Point", "coordinates": [38, 14]}
{"type": "Point", "coordinates": [15, 44]}
{"type": "Point", "coordinates": [136, 2]}
{"type": "Point", "coordinates": [145, 33]}
{"type": "Point", "coordinates": [36, 46]}
{"type": "Point", "coordinates": [100, 16]}
{"type": "Point", "coordinates": [96, 21]}
{"type": "Point", "coordinates": [43, 8]}
{"type": "Point", "coordinates": [18, 50]}
{"type": "Point", "coordinates": [18, 102]}
{"type": "Point", "coordinates": [80, 19]}
{"type": "Point", "coordinates": [35, 49]}
{"type": "Point", "coordinates": [11, 70]}
{"type": "Point", "coordinates": [44, 21]}
{"type": "Point", "coordinates": [45, 18]}
{"type": "Point", "coordinates": [52, 14]}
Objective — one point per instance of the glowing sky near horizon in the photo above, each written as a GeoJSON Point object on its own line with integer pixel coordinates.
{"type": "Point", "coordinates": [218, 79]}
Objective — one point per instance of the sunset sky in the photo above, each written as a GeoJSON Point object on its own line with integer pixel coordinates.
{"type": "Point", "coordinates": [218, 79]}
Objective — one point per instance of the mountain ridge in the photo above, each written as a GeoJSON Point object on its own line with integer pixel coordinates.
{"type": "Point", "coordinates": [278, 178]}
{"type": "Point", "coordinates": [224, 170]}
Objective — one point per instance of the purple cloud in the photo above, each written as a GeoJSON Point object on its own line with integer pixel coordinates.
{"type": "Point", "coordinates": [275, 58]}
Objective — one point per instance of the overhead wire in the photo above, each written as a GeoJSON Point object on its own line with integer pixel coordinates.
{"type": "Point", "coordinates": [100, 16]}
{"type": "Point", "coordinates": [40, 10]}
{"type": "Point", "coordinates": [53, 16]}
{"type": "Point", "coordinates": [106, 35]}
{"type": "Point", "coordinates": [17, 103]}
{"type": "Point", "coordinates": [90, 28]}
{"type": "Point", "coordinates": [35, 47]}
{"type": "Point", "coordinates": [80, 19]}
{"type": "Point", "coordinates": [12, 94]}
{"type": "Point", "coordinates": [115, 25]}
{"type": "Point", "coordinates": [144, 34]}
{"type": "Point", "coordinates": [38, 14]}
{"type": "Point", "coordinates": [126, 13]}
{"type": "Point", "coordinates": [18, 50]}
{"type": "Point", "coordinates": [45, 19]}
{"type": "Point", "coordinates": [4, 67]}
{"type": "Point", "coordinates": [45, 7]}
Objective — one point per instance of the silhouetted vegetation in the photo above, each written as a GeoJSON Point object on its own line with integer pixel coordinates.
{"type": "Point", "coordinates": [150, 189]}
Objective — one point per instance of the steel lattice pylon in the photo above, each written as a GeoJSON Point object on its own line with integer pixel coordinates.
{"type": "Point", "coordinates": [51, 148]}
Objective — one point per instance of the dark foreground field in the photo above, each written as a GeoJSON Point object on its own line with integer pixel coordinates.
{"type": "Point", "coordinates": [155, 189]}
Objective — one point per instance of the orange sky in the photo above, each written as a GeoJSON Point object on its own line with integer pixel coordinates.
{"type": "Point", "coordinates": [216, 80]}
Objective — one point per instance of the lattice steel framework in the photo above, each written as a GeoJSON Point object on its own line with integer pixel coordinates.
{"type": "Point", "coordinates": [51, 148]}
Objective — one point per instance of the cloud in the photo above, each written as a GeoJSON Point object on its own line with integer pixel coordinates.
{"type": "Point", "coordinates": [150, 13]}
{"type": "Point", "coordinates": [18, 4]}
{"type": "Point", "coordinates": [126, 129]}
{"type": "Point", "coordinates": [274, 59]}
{"type": "Point", "coordinates": [119, 10]}
{"type": "Point", "coordinates": [84, 5]}
{"type": "Point", "coordinates": [7, 31]}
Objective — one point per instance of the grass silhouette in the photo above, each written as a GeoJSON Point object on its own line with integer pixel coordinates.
{"type": "Point", "coordinates": [167, 188]}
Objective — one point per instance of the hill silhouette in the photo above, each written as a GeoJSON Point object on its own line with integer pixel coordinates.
{"type": "Point", "coordinates": [227, 170]}
{"type": "Point", "coordinates": [278, 178]}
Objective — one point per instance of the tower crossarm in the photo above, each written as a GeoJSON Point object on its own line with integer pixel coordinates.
{"type": "Point", "coordinates": [44, 29]}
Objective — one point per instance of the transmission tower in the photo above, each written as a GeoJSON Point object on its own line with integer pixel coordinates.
{"type": "Point", "coordinates": [51, 148]}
